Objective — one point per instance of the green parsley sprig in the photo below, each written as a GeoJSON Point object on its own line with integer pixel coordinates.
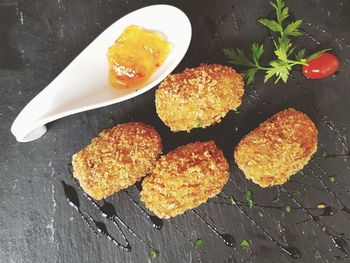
{"type": "Point", "coordinates": [285, 52]}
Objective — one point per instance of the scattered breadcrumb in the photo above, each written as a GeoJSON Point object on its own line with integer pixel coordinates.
{"type": "Point", "coordinates": [185, 178]}
{"type": "Point", "coordinates": [278, 148]}
{"type": "Point", "coordinates": [198, 97]}
{"type": "Point", "coordinates": [117, 158]}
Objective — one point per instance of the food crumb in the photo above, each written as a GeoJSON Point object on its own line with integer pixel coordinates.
{"type": "Point", "coordinates": [233, 201]}
{"type": "Point", "coordinates": [321, 206]}
{"type": "Point", "coordinates": [288, 208]}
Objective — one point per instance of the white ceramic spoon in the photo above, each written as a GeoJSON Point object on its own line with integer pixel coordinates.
{"type": "Point", "coordinates": [83, 84]}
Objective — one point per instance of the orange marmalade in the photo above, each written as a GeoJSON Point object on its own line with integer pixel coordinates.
{"type": "Point", "coordinates": [135, 56]}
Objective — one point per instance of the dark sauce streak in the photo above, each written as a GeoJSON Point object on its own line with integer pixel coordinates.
{"type": "Point", "coordinates": [192, 243]}
{"type": "Point", "coordinates": [236, 185]}
{"type": "Point", "coordinates": [73, 199]}
{"type": "Point", "coordinates": [324, 119]}
{"type": "Point", "coordinates": [71, 195]}
{"type": "Point", "coordinates": [101, 228]}
{"type": "Point", "coordinates": [256, 96]}
{"type": "Point", "coordinates": [328, 190]}
{"type": "Point", "coordinates": [339, 241]}
{"type": "Point", "coordinates": [108, 211]}
{"type": "Point", "coordinates": [290, 251]}
{"type": "Point", "coordinates": [234, 17]}
{"type": "Point", "coordinates": [306, 185]}
{"type": "Point", "coordinates": [156, 221]}
{"type": "Point", "coordinates": [227, 238]}
{"type": "Point", "coordinates": [327, 123]}
{"type": "Point", "coordinates": [310, 36]}
{"type": "Point", "coordinates": [138, 186]}
{"type": "Point", "coordinates": [341, 244]}
{"type": "Point", "coordinates": [336, 39]}
{"type": "Point", "coordinates": [245, 204]}
{"type": "Point", "coordinates": [346, 209]}
{"type": "Point", "coordinates": [211, 25]}
{"type": "Point", "coordinates": [326, 174]}
{"type": "Point", "coordinates": [328, 211]}
{"type": "Point", "coordinates": [10, 57]}
{"type": "Point", "coordinates": [213, 28]}
{"type": "Point", "coordinates": [177, 228]}
{"type": "Point", "coordinates": [335, 131]}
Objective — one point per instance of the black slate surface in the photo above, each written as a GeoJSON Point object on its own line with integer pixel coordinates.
{"type": "Point", "coordinates": [39, 38]}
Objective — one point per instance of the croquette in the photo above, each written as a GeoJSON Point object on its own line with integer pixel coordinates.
{"type": "Point", "coordinates": [117, 159]}
{"type": "Point", "coordinates": [198, 97]}
{"type": "Point", "coordinates": [185, 178]}
{"type": "Point", "coordinates": [278, 148]}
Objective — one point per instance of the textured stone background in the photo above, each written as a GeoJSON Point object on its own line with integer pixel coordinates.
{"type": "Point", "coordinates": [37, 41]}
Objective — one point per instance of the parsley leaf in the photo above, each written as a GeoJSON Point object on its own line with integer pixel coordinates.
{"type": "Point", "coordinates": [271, 24]}
{"type": "Point", "coordinates": [245, 244]}
{"type": "Point", "coordinates": [331, 178]}
{"type": "Point", "coordinates": [281, 10]}
{"type": "Point", "coordinates": [198, 243]}
{"type": "Point", "coordinates": [236, 56]}
{"type": "Point", "coordinates": [288, 208]}
{"type": "Point", "coordinates": [233, 201]}
{"type": "Point", "coordinates": [257, 51]}
{"type": "Point", "coordinates": [249, 199]}
{"type": "Point", "coordinates": [292, 29]}
{"type": "Point", "coordinates": [296, 193]}
{"type": "Point", "coordinates": [249, 75]}
{"type": "Point", "coordinates": [276, 199]}
{"type": "Point", "coordinates": [154, 253]}
{"type": "Point", "coordinates": [300, 55]}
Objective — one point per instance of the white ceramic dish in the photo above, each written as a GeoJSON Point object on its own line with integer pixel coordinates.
{"type": "Point", "coordinates": [83, 84]}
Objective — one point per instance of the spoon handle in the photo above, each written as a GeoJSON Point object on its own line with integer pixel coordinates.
{"type": "Point", "coordinates": [30, 124]}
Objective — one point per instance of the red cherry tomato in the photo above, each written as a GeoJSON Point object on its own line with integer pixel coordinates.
{"type": "Point", "coordinates": [323, 66]}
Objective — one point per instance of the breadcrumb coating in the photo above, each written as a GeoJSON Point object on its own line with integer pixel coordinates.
{"type": "Point", "coordinates": [117, 158]}
{"type": "Point", "coordinates": [198, 97]}
{"type": "Point", "coordinates": [185, 178]}
{"type": "Point", "coordinates": [278, 148]}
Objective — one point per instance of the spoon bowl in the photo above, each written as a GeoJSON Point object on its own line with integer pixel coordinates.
{"type": "Point", "coordinates": [83, 84]}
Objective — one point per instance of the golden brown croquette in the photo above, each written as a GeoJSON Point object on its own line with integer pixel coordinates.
{"type": "Point", "coordinates": [117, 158]}
{"type": "Point", "coordinates": [185, 178]}
{"type": "Point", "coordinates": [198, 97]}
{"type": "Point", "coordinates": [278, 148]}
